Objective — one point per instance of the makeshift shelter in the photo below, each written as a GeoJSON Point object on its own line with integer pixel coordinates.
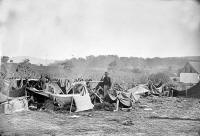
{"type": "Point", "coordinates": [79, 93]}
{"type": "Point", "coordinates": [189, 78]}
{"type": "Point", "coordinates": [12, 89]}
{"type": "Point", "coordinates": [38, 97]}
{"type": "Point", "coordinates": [137, 92]}
{"type": "Point", "coordinates": [193, 91]}
{"type": "Point", "coordinates": [126, 98]}
{"type": "Point", "coordinates": [191, 67]}
{"type": "Point", "coordinates": [190, 72]}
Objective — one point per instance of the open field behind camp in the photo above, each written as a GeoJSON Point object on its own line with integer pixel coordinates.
{"type": "Point", "coordinates": [169, 116]}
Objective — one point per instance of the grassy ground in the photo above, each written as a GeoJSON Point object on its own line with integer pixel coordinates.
{"type": "Point", "coordinates": [153, 116]}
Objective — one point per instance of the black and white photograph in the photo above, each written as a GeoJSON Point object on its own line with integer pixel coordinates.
{"type": "Point", "coordinates": [100, 68]}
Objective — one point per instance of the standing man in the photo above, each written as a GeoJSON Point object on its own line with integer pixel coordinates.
{"type": "Point", "coordinates": [106, 83]}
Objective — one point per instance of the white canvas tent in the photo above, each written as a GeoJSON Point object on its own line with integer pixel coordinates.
{"type": "Point", "coordinates": [82, 99]}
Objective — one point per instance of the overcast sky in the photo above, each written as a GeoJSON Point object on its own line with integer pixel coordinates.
{"type": "Point", "coordinates": [60, 29]}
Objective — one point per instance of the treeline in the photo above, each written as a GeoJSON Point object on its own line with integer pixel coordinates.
{"type": "Point", "coordinates": [127, 69]}
{"type": "Point", "coordinates": [127, 64]}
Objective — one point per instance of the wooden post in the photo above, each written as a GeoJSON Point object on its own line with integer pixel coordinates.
{"type": "Point", "coordinates": [71, 103]}
{"type": "Point", "coordinates": [25, 93]}
{"type": "Point", "coordinates": [117, 105]}
{"type": "Point", "coordinates": [186, 91]}
{"type": "Point", "coordinates": [172, 93]}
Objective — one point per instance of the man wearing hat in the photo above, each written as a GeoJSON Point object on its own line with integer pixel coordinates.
{"type": "Point", "coordinates": [106, 83]}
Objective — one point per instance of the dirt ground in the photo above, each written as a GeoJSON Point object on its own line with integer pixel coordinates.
{"type": "Point", "coordinates": [153, 116]}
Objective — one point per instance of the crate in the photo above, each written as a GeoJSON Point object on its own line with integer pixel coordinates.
{"type": "Point", "coordinates": [14, 105]}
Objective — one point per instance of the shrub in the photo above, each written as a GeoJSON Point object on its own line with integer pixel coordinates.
{"type": "Point", "coordinates": [24, 69]}
{"type": "Point", "coordinates": [156, 78]}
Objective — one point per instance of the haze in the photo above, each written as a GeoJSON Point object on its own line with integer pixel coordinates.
{"type": "Point", "coordinates": [78, 28]}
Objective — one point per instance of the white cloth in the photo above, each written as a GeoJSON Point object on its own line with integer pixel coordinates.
{"type": "Point", "coordinates": [83, 102]}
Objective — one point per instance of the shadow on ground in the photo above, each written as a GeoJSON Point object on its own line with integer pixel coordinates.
{"type": "Point", "coordinates": [174, 118]}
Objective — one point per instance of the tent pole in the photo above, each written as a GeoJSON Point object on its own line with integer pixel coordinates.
{"type": "Point", "coordinates": [186, 92]}
{"type": "Point", "coordinates": [71, 103]}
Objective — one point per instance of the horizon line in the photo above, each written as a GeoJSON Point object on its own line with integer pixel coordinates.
{"type": "Point", "coordinates": [78, 57]}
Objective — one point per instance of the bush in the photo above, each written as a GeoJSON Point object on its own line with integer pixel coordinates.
{"type": "Point", "coordinates": [24, 69]}
{"type": "Point", "coordinates": [156, 78]}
